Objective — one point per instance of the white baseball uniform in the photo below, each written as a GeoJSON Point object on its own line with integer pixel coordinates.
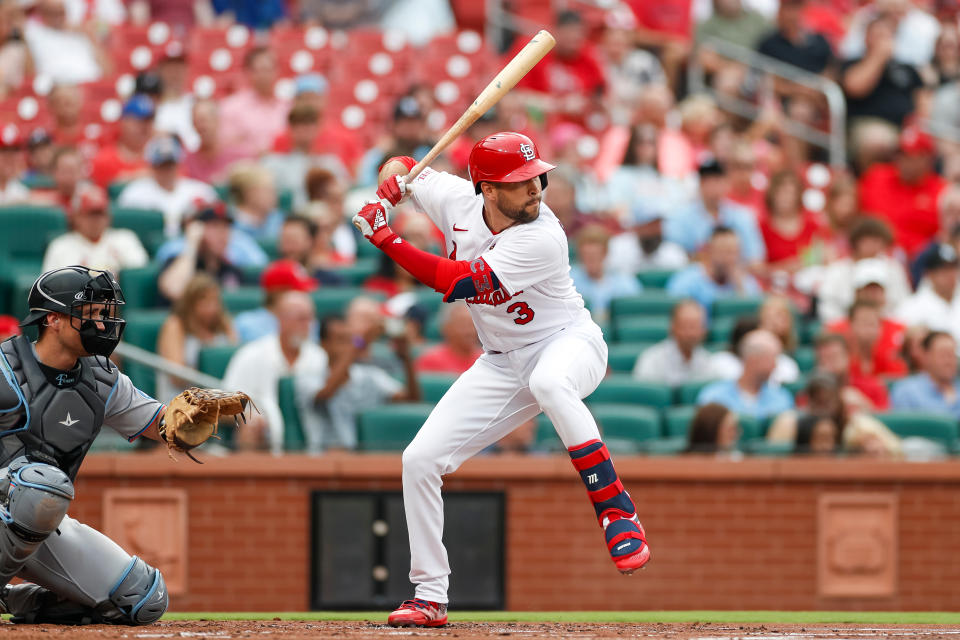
{"type": "Point", "coordinates": [543, 352]}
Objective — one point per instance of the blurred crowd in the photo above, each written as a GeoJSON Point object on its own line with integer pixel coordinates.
{"type": "Point", "coordinates": [256, 180]}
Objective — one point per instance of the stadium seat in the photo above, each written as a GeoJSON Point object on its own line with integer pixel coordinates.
{"type": "Point", "coordinates": [44, 224]}
{"type": "Point", "coordinates": [626, 427]}
{"type": "Point", "coordinates": [676, 421]}
{"type": "Point", "coordinates": [806, 359]}
{"type": "Point", "coordinates": [736, 307]}
{"type": "Point", "coordinates": [655, 278]}
{"type": "Point", "coordinates": [434, 385]}
{"type": "Point", "coordinates": [140, 287]}
{"type": "Point", "coordinates": [938, 427]}
{"type": "Point", "coordinates": [214, 360]}
{"type": "Point", "coordinates": [142, 330]}
{"type": "Point", "coordinates": [769, 449]}
{"type": "Point", "coordinates": [332, 300]}
{"type": "Point", "coordinates": [293, 437]}
{"type": "Point", "coordinates": [390, 427]}
{"type": "Point", "coordinates": [720, 329]}
{"type": "Point", "coordinates": [687, 392]}
{"type": "Point", "coordinates": [641, 328]}
{"type": "Point", "coordinates": [242, 299]}
{"type": "Point", "coordinates": [647, 304]}
{"type": "Point", "coordinates": [114, 189]}
{"type": "Point", "coordinates": [357, 273]}
{"type": "Point", "coordinates": [622, 356]}
{"type": "Point", "coordinates": [146, 223]}
{"type": "Point", "coordinates": [622, 389]}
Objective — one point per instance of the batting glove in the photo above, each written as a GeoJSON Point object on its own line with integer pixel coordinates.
{"type": "Point", "coordinates": [371, 221]}
{"type": "Point", "coordinates": [392, 189]}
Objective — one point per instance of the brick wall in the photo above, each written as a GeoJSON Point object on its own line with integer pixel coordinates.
{"type": "Point", "coordinates": [724, 535]}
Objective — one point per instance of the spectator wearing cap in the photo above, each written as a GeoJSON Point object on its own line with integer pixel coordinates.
{"type": "Point", "coordinates": [164, 189]}
{"type": "Point", "coordinates": [211, 161]}
{"type": "Point", "coordinates": [870, 242]}
{"type": "Point", "coordinates": [210, 244]}
{"type": "Point", "coordinates": [407, 137]}
{"type": "Point", "coordinates": [680, 358]}
{"type": "Point", "coordinates": [181, 15]}
{"type": "Point", "coordinates": [279, 277]}
{"type": "Point", "coordinates": [253, 195]}
{"type": "Point", "coordinates": [629, 71]}
{"type": "Point", "coordinates": [692, 225]}
{"type": "Point", "coordinates": [65, 103]}
{"type": "Point", "coordinates": [124, 160]}
{"type": "Point", "coordinates": [598, 285]}
{"type": "Point", "coordinates": [789, 231]}
{"type": "Point", "coordinates": [253, 117]}
{"type": "Point", "coordinates": [331, 137]}
{"type": "Point", "coordinates": [569, 81]}
{"type": "Point", "coordinates": [175, 102]}
{"type": "Point", "coordinates": [290, 168]}
{"type": "Point", "coordinates": [720, 274]}
{"type": "Point", "coordinates": [905, 192]}
{"type": "Point", "coordinates": [40, 152]}
{"type": "Point", "coordinates": [642, 247]}
{"type": "Point", "coordinates": [460, 347]}
{"type": "Point", "coordinates": [936, 304]}
{"type": "Point", "coordinates": [59, 52]}
{"type": "Point", "coordinates": [936, 389]}
{"type": "Point", "coordinates": [754, 393]}
{"type": "Point", "coordinates": [948, 220]}
{"type": "Point", "coordinates": [793, 43]}
{"type": "Point", "coordinates": [92, 241]}
{"type": "Point", "coordinates": [12, 190]}
{"type": "Point", "coordinates": [198, 320]}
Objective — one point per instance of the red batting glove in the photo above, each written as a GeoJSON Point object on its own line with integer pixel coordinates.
{"type": "Point", "coordinates": [392, 189]}
{"type": "Point", "coordinates": [371, 221]}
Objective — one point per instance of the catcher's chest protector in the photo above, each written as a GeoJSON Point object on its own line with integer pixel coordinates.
{"type": "Point", "coordinates": [60, 423]}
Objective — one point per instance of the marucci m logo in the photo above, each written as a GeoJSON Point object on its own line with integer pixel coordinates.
{"type": "Point", "coordinates": [527, 151]}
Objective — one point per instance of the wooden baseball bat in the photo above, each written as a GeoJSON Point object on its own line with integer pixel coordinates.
{"type": "Point", "coordinates": [507, 79]}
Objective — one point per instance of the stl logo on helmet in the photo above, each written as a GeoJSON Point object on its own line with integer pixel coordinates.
{"type": "Point", "coordinates": [528, 152]}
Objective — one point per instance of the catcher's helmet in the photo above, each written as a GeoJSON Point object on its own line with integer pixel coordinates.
{"type": "Point", "coordinates": [506, 157]}
{"type": "Point", "coordinates": [66, 291]}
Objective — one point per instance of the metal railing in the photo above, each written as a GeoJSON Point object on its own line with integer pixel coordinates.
{"type": "Point", "coordinates": [833, 141]}
{"type": "Point", "coordinates": [149, 359]}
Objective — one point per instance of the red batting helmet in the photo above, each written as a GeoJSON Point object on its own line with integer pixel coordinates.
{"type": "Point", "coordinates": [506, 157]}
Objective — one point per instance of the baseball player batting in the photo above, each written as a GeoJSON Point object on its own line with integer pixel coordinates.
{"type": "Point", "coordinates": [542, 351]}
{"type": "Point", "coordinates": [55, 395]}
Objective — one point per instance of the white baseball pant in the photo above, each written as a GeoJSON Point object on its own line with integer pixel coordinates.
{"type": "Point", "coordinates": [492, 398]}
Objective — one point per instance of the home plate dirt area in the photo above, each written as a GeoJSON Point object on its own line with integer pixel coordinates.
{"type": "Point", "coordinates": [303, 630]}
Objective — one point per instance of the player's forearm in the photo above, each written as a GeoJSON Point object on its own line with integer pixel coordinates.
{"type": "Point", "coordinates": [456, 279]}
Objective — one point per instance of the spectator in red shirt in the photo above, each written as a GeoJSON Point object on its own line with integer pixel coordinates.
{"type": "Point", "coordinates": [788, 229]}
{"type": "Point", "coordinates": [331, 136]}
{"type": "Point", "coordinates": [862, 393]}
{"type": "Point", "coordinates": [212, 160]}
{"type": "Point", "coordinates": [905, 192]}
{"type": "Point", "coordinates": [569, 80]}
{"type": "Point", "coordinates": [65, 102]}
{"type": "Point", "coordinates": [460, 347]}
{"type": "Point", "coordinates": [870, 336]}
{"type": "Point", "coordinates": [124, 160]}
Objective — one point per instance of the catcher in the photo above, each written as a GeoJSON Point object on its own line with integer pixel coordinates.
{"type": "Point", "coordinates": [55, 396]}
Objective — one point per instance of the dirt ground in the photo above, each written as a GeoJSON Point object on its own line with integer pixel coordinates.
{"type": "Point", "coordinates": [292, 630]}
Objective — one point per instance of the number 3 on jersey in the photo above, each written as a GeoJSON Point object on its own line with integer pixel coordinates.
{"type": "Point", "coordinates": [524, 312]}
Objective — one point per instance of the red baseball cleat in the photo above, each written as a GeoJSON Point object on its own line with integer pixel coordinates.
{"type": "Point", "coordinates": [627, 543]}
{"type": "Point", "coordinates": [419, 613]}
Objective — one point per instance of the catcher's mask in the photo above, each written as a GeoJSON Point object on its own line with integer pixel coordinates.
{"type": "Point", "coordinates": [89, 297]}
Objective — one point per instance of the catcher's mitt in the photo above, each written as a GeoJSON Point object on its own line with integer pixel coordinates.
{"type": "Point", "coordinates": [191, 418]}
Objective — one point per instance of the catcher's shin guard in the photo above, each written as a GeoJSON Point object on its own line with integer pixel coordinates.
{"type": "Point", "coordinates": [615, 510]}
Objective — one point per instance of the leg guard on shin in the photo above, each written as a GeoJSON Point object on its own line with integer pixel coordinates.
{"type": "Point", "coordinates": [34, 498]}
{"type": "Point", "coordinates": [140, 594]}
{"type": "Point", "coordinates": [615, 510]}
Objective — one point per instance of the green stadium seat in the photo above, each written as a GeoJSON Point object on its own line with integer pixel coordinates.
{"type": "Point", "coordinates": [146, 223]}
{"type": "Point", "coordinates": [769, 449]}
{"type": "Point", "coordinates": [390, 427]}
{"type": "Point", "coordinates": [797, 386]}
{"type": "Point", "coordinates": [16, 279]}
{"type": "Point", "coordinates": [665, 446]}
{"type": "Point", "coordinates": [720, 329]}
{"type": "Point", "coordinates": [806, 359]}
{"type": "Point", "coordinates": [429, 299]}
{"type": "Point", "coordinates": [938, 427]}
{"type": "Point", "coordinates": [650, 303]}
{"type": "Point", "coordinates": [333, 300]}
{"type": "Point", "coordinates": [735, 307]}
{"type": "Point", "coordinates": [140, 287]}
{"type": "Point", "coordinates": [142, 330]}
{"type": "Point", "coordinates": [641, 328]}
{"type": "Point", "coordinates": [38, 181]}
{"type": "Point", "coordinates": [687, 392]}
{"type": "Point", "coordinates": [251, 274]}
{"type": "Point", "coordinates": [214, 360]}
{"type": "Point", "coordinates": [808, 330]}
{"type": "Point", "coordinates": [28, 229]}
{"type": "Point", "coordinates": [357, 273]}
{"type": "Point", "coordinates": [547, 438]}
{"type": "Point", "coordinates": [622, 389]}
{"type": "Point", "coordinates": [622, 356]}
{"type": "Point", "coordinates": [269, 246]}
{"type": "Point", "coordinates": [115, 188]}
{"type": "Point", "coordinates": [293, 437]}
{"type": "Point", "coordinates": [626, 427]}
{"type": "Point", "coordinates": [655, 278]}
{"type": "Point", "coordinates": [223, 191]}
{"type": "Point", "coordinates": [751, 429]}
{"type": "Point", "coordinates": [431, 329]}
{"type": "Point", "coordinates": [676, 421]}
{"type": "Point", "coordinates": [242, 299]}
{"type": "Point", "coordinates": [367, 250]}
{"type": "Point", "coordinates": [285, 201]}
{"type": "Point", "coordinates": [434, 385]}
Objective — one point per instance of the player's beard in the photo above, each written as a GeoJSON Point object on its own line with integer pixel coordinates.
{"type": "Point", "coordinates": [524, 213]}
